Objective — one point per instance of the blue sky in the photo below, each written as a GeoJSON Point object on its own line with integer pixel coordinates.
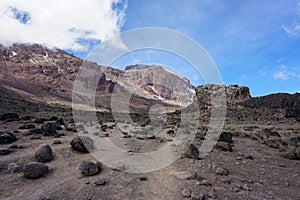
{"type": "Point", "coordinates": [254, 43]}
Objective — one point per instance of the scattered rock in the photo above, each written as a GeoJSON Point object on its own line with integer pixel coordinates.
{"type": "Point", "coordinates": [14, 168]}
{"type": "Point", "coordinates": [250, 157]}
{"type": "Point", "coordinates": [143, 178]}
{"type": "Point", "coordinates": [88, 168]}
{"type": "Point", "coordinates": [44, 154]}
{"type": "Point", "coordinates": [222, 171]}
{"type": "Point", "coordinates": [15, 146]}
{"type": "Point", "coordinates": [49, 129]}
{"type": "Point", "coordinates": [56, 141]}
{"type": "Point", "coordinates": [39, 120]}
{"type": "Point", "coordinates": [225, 137]}
{"type": "Point", "coordinates": [7, 138]}
{"type": "Point", "coordinates": [186, 192]}
{"type": "Point", "coordinates": [82, 144]}
{"type": "Point", "coordinates": [205, 183]}
{"type": "Point", "coordinates": [27, 126]}
{"type": "Point", "coordinates": [9, 117]}
{"type": "Point", "coordinates": [224, 146]}
{"type": "Point", "coordinates": [198, 195]}
{"type": "Point", "coordinates": [35, 137]}
{"type": "Point", "coordinates": [5, 151]}
{"type": "Point", "coordinates": [190, 151]}
{"type": "Point", "coordinates": [34, 170]}
{"type": "Point", "coordinates": [100, 182]}
{"type": "Point", "coordinates": [35, 131]}
{"type": "Point", "coordinates": [183, 175]}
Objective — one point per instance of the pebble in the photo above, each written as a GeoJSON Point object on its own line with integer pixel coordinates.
{"type": "Point", "coordinates": [186, 192]}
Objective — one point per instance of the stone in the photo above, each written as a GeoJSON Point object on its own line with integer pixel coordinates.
{"type": "Point", "coordinates": [56, 141]}
{"type": "Point", "coordinates": [183, 175]}
{"type": "Point", "coordinates": [33, 170]}
{"type": "Point", "coordinates": [250, 157]}
{"type": "Point", "coordinates": [225, 137]}
{"type": "Point", "coordinates": [224, 146]}
{"type": "Point", "coordinates": [222, 171]}
{"type": "Point", "coordinates": [143, 178]}
{"type": "Point", "coordinates": [44, 154]}
{"type": "Point", "coordinates": [88, 168]}
{"type": "Point", "coordinates": [5, 151]}
{"type": "Point", "coordinates": [100, 182]}
{"type": "Point", "coordinates": [14, 168]}
{"type": "Point", "coordinates": [186, 192]}
{"type": "Point", "coordinates": [35, 131]}
{"type": "Point", "coordinates": [198, 195]}
{"type": "Point", "coordinates": [27, 126]}
{"type": "Point", "coordinates": [82, 144]}
{"type": "Point", "coordinates": [39, 120]}
{"type": "Point", "coordinates": [49, 129]}
{"type": "Point", "coordinates": [190, 151]}
{"type": "Point", "coordinates": [9, 117]}
{"type": "Point", "coordinates": [7, 138]}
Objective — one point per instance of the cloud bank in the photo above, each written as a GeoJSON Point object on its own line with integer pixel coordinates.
{"type": "Point", "coordinates": [66, 24]}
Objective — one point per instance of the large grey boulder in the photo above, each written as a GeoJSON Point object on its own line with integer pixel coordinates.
{"type": "Point", "coordinates": [44, 154]}
{"type": "Point", "coordinates": [34, 170]}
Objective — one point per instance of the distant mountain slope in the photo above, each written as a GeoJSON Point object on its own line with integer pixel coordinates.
{"type": "Point", "coordinates": [48, 75]}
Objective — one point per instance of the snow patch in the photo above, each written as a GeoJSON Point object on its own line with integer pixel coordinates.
{"type": "Point", "coordinates": [14, 53]}
{"type": "Point", "coordinates": [34, 62]}
{"type": "Point", "coordinates": [191, 90]}
{"type": "Point", "coordinates": [155, 92]}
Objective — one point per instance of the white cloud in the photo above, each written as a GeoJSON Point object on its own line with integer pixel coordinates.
{"type": "Point", "coordinates": [293, 31]}
{"type": "Point", "coordinates": [66, 24]}
{"type": "Point", "coordinates": [285, 74]}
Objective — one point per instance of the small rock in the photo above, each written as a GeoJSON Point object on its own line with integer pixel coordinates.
{"type": "Point", "coordinates": [226, 137]}
{"type": "Point", "coordinates": [34, 170]}
{"type": "Point", "coordinates": [250, 157]}
{"type": "Point", "coordinates": [14, 168]}
{"type": "Point", "coordinates": [5, 151]}
{"type": "Point", "coordinates": [186, 192]}
{"type": "Point", "coordinates": [100, 182]}
{"type": "Point", "coordinates": [49, 129]}
{"type": "Point", "coordinates": [190, 151]}
{"type": "Point", "coordinates": [82, 144]}
{"type": "Point", "coordinates": [205, 183]}
{"type": "Point", "coordinates": [9, 117]}
{"type": "Point", "coordinates": [222, 171]}
{"type": "Point", "coordinates": [143, 178]}
{"type": "Point", "coordinates": [88, 168]}
{"type": "Point", "coordinates": [35, 137]}
{"type": "Point", "coordinates": [224, 146]}
{"type": "Point", "coordinates": [198, 195]}
{"type": "Point", "coordinates": [27, 126]}
{"type": "Point", "coordinates": [44, 154]}
{"type": "Point", "coordinates": [7, 138]}
{"type": "Point", "coordinates": [183, 175]}
{"type": "Point", "coordinates": [56, 141]}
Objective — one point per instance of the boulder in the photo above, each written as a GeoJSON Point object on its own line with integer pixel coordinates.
{"type": "Point", "coordinates": [88, 168]}
{"type": "Point", "coordinates": [49, 129]}
{"type": "Point", "coordinates": [82, 144]}
{"type": "Point", "coordinates": [7, 138]}
{"type": "Point", "coordinates": [34, 170]}
{"type": "Point", "coordinates": [44, 154]}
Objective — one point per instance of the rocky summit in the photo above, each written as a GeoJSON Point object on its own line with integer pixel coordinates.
{"type": "Point", "coordinates": [251, 152]}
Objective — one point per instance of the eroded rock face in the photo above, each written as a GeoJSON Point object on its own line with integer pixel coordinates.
{"type": "Point", "coordinates": [234, 93]}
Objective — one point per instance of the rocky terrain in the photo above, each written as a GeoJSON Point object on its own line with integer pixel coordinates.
{"type": "Point", "coordinates": [45, 154]}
